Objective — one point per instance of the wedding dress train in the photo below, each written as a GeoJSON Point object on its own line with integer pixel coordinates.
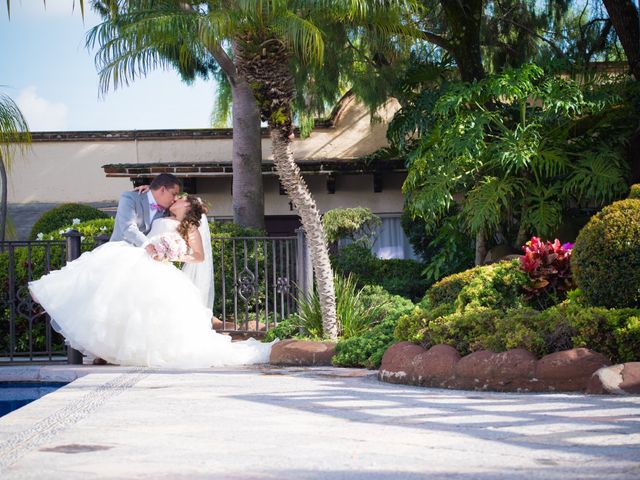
{"type": "Point", "coordinates": [119, 304]}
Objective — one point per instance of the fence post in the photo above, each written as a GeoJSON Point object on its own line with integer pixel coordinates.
{"type": "Point", "coordinates": [74, 357]}
{"type": "Point", "coordinates": [101, 239]}
{"type": "Point", "coordinates": [304, 268]}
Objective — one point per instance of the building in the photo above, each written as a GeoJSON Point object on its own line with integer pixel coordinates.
{"type": "Point", "coordinates": [95, 167]}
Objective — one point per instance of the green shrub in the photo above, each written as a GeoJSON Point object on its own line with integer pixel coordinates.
{"type": "Point", "coordinates": [614, 332]}
{"type": "Point", "coordinates": [287, 328]}
{"type": "Point", "coordinates": [412, 325]}
{"type": "Point", "coordinates": [63, 216]}
{"type": "Point", "coordinates": [498, 286]}
{"type": "Point", "coordinates": [356, 224]}
{"type": "Point", "coordinates": [366, 350]}
{"type": "Point", "coordinates": [89, 231]}
{"type": "Point", "coordinates": [356, 314]}
{"type": "Point", "coordinates": [396, 276]}
{"type": "Point", "coordinates": [606, 256]}
{"type": "Point", "coordinates": [467, 331]}
{"type": "Point", "coordinates": [446, 291]}
{"type": "Point", "coordinates": [634, 192]}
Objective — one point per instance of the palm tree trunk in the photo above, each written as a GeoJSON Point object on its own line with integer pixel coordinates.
{"type": "Point", "coordinates": [298, 192]}
{"type": "Point", "coordinates": [246, 158]}
{"type": "Point", "coordinates": [3, 201]}
{"type": "Point", "coordinates": [481, 247]}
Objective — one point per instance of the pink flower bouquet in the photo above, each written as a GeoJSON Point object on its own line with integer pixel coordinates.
{"type": "Point", "coordinates": [170, 247]}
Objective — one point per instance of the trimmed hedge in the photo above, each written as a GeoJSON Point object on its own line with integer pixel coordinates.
{"type": "Point", "coordinates": [606, 256]}
{"type": "Point", "coordinates": [396, 276]}
{"type": "Point", "coordinates": [63, 216]}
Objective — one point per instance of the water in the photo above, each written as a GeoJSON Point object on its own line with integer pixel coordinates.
{"type": "Point", "coordinates": [14, 395]}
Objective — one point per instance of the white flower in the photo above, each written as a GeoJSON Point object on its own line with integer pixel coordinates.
{"type": "Point", "coordinates": [62, 232]}
{"type": "Point", "coordinates": [103, 229]}
{"type": "Point", "coordinates": [40, 236]}
{"type": "Point", "coordinates": [75, 221]}
{"type": "Point", "coordinates": [81, 238]}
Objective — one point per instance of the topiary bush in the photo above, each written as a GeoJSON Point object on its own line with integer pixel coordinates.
{"type": "Point", "coordinates": [606, 256]}
{"type": "Point", "coordinates": [62, 216]}
{"type": "Point", "coordinates": [634, 192]}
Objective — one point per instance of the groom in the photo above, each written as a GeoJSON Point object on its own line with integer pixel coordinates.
{"type": "Point", "coordinates": [137, 211]}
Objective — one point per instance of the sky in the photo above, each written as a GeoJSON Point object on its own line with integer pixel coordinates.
{"type": "Point", "coordinates": [47, 70]}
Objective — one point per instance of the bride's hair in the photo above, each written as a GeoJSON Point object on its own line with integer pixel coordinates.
{"type": "Point", "coordinates": [193, 216]}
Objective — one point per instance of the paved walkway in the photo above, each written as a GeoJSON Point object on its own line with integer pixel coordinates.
{"type": "Point", "coordinates": [320, 423]}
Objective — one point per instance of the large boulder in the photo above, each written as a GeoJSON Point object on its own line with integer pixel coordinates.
{"type": "Point", "coordinates": [569, 370]}
{"type": "Point", "coordinates": [397, 362]}
{"type": "Point", "coordinates": [511, 371]}
{"type": "Point", "coordinates": [435, 367]}
{"type": "Point", "coordinates": [473, 370]}
{"type": "Point", "coordinates": [302, 353]}
{"type": "Point", "coordinates": [621, 379]}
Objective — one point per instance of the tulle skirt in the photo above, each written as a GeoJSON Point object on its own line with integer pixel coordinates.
{"type": "Point", "coordinates": [118, 304]}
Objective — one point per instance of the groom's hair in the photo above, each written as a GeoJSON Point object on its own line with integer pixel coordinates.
{"type": "Point", "coordinates": [166, 180]}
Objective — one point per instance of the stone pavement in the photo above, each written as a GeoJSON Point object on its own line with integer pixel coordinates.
{"type": "Point", "coordinates": [306, 423]}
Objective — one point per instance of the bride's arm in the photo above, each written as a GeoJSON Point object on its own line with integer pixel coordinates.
{"type": "Point", "coordinates": [197, 251]}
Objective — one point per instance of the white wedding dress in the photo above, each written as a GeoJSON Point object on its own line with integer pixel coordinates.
{"type": "Point", "coordinates": [119, 304]}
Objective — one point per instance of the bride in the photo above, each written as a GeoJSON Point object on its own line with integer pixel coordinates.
{"type": "Point", "coordinates": [120, 304]}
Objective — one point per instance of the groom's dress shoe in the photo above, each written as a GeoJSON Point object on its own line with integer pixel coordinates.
{"type": "Point", "coordinates": [99, 361]}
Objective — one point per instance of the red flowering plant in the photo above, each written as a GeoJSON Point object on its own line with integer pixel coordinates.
{"type": "Point", "coordinates": [549, 268]}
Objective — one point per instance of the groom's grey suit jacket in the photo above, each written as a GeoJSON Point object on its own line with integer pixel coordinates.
{"type": "Point", "coordinates": [133, 219]}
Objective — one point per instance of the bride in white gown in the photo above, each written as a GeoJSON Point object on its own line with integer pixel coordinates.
{"type": "Point", "coordinates": [120, 304]}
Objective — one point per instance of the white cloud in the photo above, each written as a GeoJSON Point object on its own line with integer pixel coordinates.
{"type": "Point", "coordinates": [41, 114]}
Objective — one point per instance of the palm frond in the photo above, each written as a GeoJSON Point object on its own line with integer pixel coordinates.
{"type": "Point", "coordinates": [14, 131]}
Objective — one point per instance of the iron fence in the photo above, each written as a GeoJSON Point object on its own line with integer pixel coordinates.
{"type": "Point", "coordinates": [256, 283]}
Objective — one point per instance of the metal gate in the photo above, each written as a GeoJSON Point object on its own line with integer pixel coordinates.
{"type": "Point", "coordinates": [256, 283]}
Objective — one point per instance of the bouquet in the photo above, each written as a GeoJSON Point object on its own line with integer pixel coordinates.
{"type": "Point", "coordinates": [170, 247]}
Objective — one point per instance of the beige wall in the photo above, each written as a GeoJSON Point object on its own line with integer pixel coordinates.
{"type": "Point", "coordinates": [71, 171]}
{"type": "Point", "coordinates": [351, 191]}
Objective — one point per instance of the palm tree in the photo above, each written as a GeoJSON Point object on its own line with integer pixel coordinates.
{"type": "Point", "coordinates": [14, 134]}
{"type": "Point", "coordinates": [137, 37]}
{"type": "Point", "coordinates": [262, 37]}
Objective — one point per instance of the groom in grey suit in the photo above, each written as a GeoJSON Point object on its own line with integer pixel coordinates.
{"type": "Point", "coordinates": [137, 211]}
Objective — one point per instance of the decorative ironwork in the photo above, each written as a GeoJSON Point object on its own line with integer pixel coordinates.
{"type": "Point", "coordinates": [283, 285]}
{"type": "Point", "coordinates": [246, 284]}
{"type": "Point", "coordinates": [255, 282]}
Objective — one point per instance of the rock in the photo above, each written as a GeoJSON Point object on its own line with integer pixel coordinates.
{"type": "Point", "coordinates": [473, 371]}
{"type": "Point", "coordinates": [302, 352]}
{"type": "Point", "coordinates": [569, 370]}
{"type": "Point", "coordinates": [512, 370]}
{"type": "Point", "coordinates": [621, 379]}
{"type": "Point", "coordinates": [397, 362]}
{"type": "Point", "coordinates": [435, 367]}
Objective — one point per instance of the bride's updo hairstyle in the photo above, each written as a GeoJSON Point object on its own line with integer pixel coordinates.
{"type": "Point", "coordinates": [193, 216]}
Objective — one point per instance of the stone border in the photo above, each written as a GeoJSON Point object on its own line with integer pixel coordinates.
{"type": "Point", "coordinates": [294, 352]}
{"type": "Point", "coordinates": [517, 370]}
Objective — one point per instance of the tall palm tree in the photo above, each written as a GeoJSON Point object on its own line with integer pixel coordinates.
{"type": "Point", "coordinates": [256, 40]}
{"type": "Point", "coordinates": [139, 36]}
{"type": "Point", "coordinates": [14, 135]}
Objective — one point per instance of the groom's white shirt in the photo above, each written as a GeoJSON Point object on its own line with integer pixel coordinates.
{"type": "Point", "coordinates": [134, 218]}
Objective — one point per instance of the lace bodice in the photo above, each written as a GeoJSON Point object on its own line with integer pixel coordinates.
{"type": "Point", "coordinates": [162, 226]}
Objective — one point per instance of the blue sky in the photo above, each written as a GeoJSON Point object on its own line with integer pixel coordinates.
{"type": "Point", "coordinates": [46, 69]}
